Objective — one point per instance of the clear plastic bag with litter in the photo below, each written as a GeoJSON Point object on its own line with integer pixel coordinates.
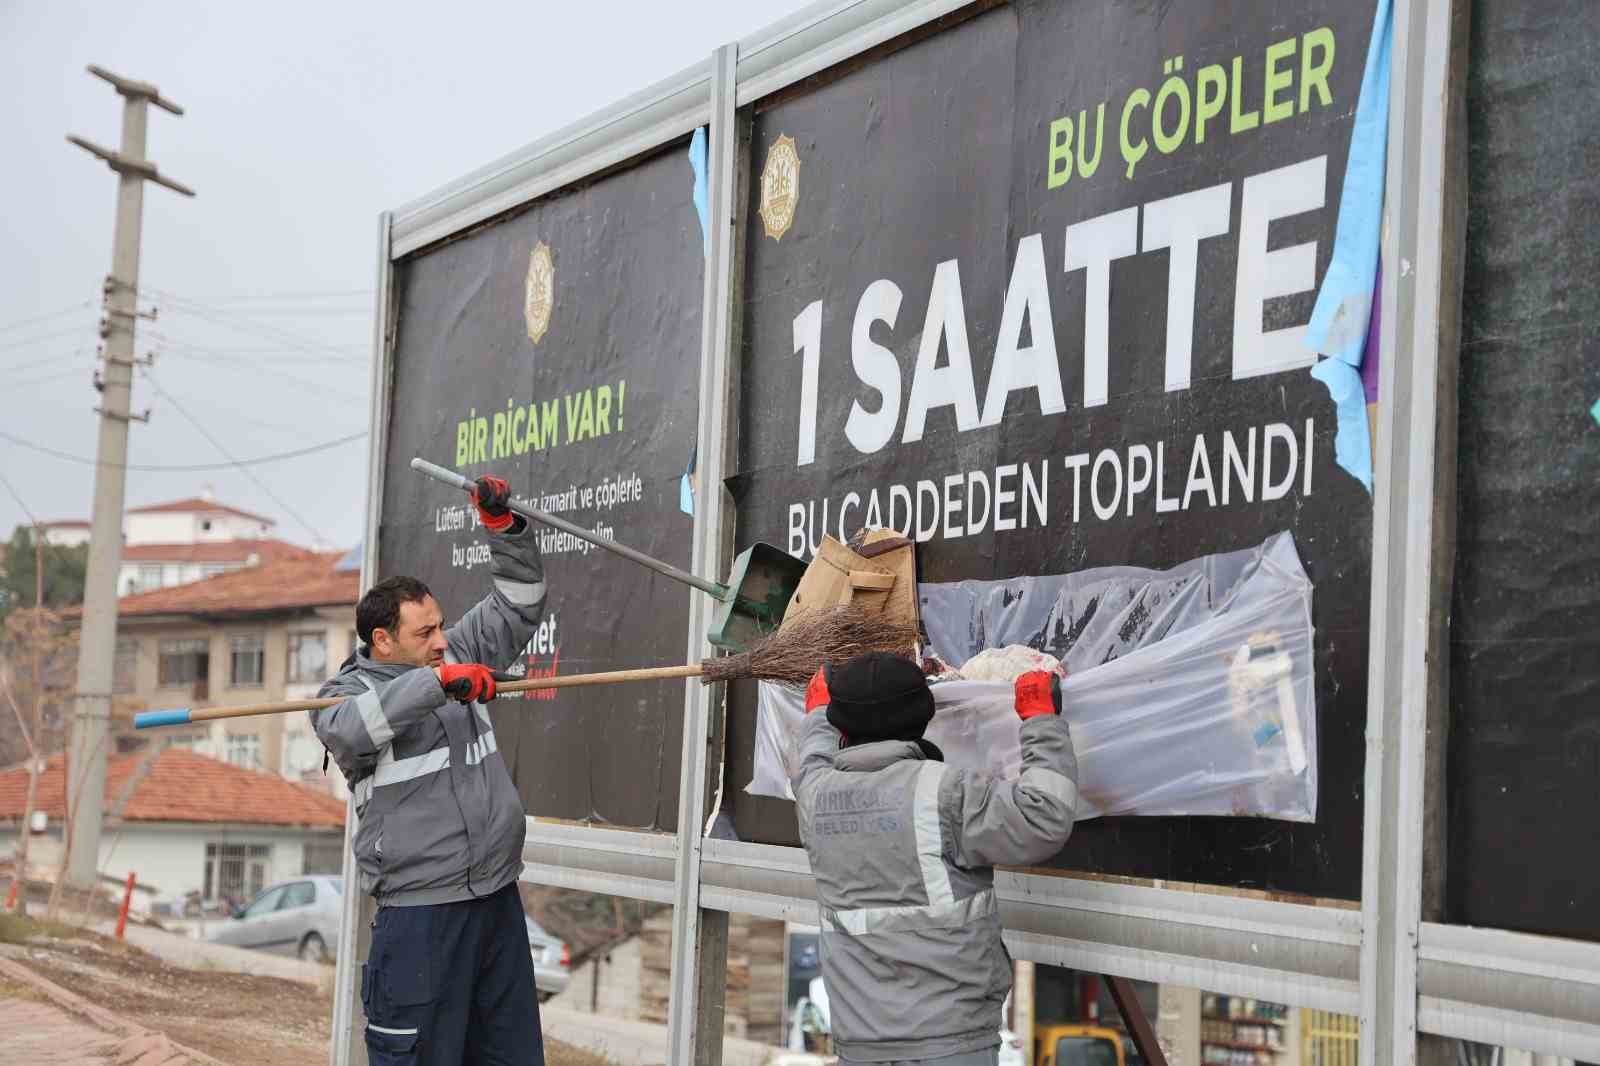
{"type": "Point", "coordinates": [1190, 691]}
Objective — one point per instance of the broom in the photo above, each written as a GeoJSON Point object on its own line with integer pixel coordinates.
{"type": "Point", "coordinates": [793, 656]}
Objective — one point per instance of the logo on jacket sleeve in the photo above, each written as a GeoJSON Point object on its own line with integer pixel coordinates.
{"type": "Point", "coordinates": [541, 292]}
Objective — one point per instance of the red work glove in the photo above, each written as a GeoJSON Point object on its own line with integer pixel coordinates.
{"type": "Point", "coordinates": [817, 692]}
{"type": "Point", "coordinates": [493, 496]}
{"type": "Point", "coordinates": [1038, 692]}
{"type": "Point", "coordinates": [467, 682]}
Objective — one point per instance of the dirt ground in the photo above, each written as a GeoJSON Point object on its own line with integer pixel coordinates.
{"type": "Point", "coordinates": [240, 1019]}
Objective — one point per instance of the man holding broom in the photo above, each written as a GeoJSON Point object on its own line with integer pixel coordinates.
{"type": "Point", "coordinates": [904, 848]}
{"type": "Point", "coordinates": [449, 978]}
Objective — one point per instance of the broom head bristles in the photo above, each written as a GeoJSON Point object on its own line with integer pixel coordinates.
{"type": "Point", "coordinates": [821, 635]}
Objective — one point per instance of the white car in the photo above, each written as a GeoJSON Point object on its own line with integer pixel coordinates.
{"type": "Point", "coordinates": [300, 916]}
{"type": "Point", "coordinates": [552, 962]}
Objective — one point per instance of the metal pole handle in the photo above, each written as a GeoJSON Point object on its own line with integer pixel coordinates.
{"type": "Point", "coordinates": [527, 510]}
{"type": "Point", "coordinates": [190, 715]}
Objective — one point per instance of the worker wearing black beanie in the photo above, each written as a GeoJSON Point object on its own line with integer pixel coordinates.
{"type": "Point", "coordinates": [903, 849]}
{"type": "Point", "coordinates": [880, 696]}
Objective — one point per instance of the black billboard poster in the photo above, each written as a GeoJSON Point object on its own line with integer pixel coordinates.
{"type": "Point", "coordinates": [1034, 289]}
{"type": "Point", "coordinates": [1524, 744]}
{"type": "Point", "coordinates": [560, 349]}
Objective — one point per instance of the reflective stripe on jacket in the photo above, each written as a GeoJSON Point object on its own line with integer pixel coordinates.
{"type": "Point", "coordinates": [439, 817]}
{"type": "Point", "coordinates": [903, 849]}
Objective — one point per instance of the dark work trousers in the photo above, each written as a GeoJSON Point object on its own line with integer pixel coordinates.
{"type": "Point", "coordinates": [451, 984]}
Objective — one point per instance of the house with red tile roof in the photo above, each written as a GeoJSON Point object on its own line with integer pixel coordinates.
{"type": "Point", "coordinates": [184, 822]}
{"type": "Point", "coordinates": [270, 632]}
{"type": "Point", "coordinates": [172, 543]}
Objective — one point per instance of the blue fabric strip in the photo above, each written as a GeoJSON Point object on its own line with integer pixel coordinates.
{"type": "Point", "coordinates": [1338, 326]}
{"type": "Point", "coordinates": [697, 163]}
{"type": "Point", "coordinates": [1339, 323]}
{"type": "Point", "coordinates": [1352, 442]}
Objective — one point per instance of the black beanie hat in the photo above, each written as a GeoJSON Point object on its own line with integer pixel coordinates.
{"type": "Point", "coordinates": [878, 696]}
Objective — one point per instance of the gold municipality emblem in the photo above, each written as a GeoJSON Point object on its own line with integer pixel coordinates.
{"type": "Point", "coordinates": [541, 293]}
{"type": "Point", "coordinates": [780, 187]}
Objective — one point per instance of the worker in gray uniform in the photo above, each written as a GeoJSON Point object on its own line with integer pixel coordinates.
{"type": "Point", "coordinates": [903, 848]}
{"type": "Point", "coordinates": [449, 979]}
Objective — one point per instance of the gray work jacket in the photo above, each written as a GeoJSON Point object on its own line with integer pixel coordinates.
{"type": "Point", "coordinates": [439, 818]}
{"type": "Point", "coordinates": [903, 849]}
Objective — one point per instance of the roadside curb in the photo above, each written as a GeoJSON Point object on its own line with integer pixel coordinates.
{"type": "Point", "coordinates": [137, 1046]}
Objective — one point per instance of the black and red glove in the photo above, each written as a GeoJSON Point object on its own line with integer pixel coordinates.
{"type": "Point", "coordinates": [1038, 692]}
{"type": "Point", "coordinates": [493, 497]}
{"type": "Point", "coordinates": [467, 682]}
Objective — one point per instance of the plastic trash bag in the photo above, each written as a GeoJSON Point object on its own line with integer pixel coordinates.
{"type": "Point", "coordinates": [1192, 689]}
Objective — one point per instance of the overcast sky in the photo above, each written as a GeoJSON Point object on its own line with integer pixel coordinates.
{"type": "Point", "coordinates": [302, 122]}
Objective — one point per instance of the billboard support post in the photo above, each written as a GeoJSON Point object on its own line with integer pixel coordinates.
{"type": "Point", "coordinates": [700, 936]}
{"type": "Point", "coordinates": [348, 1046]}
{"type": "Point", "coordinates": [1421, 290]}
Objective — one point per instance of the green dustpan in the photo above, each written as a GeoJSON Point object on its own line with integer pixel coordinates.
{"type": "Point", "coordinates": [763, 581]}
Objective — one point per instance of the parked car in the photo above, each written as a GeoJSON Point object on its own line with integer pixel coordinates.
{"type": "Point", "coordinates": [552, 961]}
{"type": "Point", "coordinates": [299, 916]}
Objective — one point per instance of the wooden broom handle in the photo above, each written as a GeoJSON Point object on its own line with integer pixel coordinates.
{"type": "Point", "coordinates": [205, 714]}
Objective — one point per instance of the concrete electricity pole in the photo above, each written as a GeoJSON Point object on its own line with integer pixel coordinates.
{"type": "Point", "coordinates": [91, 724]}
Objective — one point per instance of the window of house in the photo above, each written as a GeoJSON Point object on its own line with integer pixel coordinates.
{"type": "Point", "coordinates": [125, 673]}
{"type": "Point", "coordinates": [185, 661]}
{"type": "Point", "coordinates": [323, 857]}
{"type": "Point", "coordinates": [236, 872]}
{"type": "Point", "coordinates": [244, 749]}
{"type": "Point", "coordinates": [249, 659]}
{"type": "Point", "coordinates": [149, 577]}
{"type": "Point", "coordinates": [308, 657]}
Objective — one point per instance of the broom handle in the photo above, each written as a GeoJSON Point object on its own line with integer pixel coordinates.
{"type": "Point", "coordinates": [187, 715]}
{"type": "Point", "coordinates": [527, 510]}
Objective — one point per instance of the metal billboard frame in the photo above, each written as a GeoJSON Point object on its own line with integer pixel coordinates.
{"type": "Point", "coordinates": [1404, 974]}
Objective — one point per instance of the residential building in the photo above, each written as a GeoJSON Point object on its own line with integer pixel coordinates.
{"type": "Point", "coordinates": [271, 632]}
{"type": "Point", "coordinates": [168, 544]}
{"type": "Point", "coordinates": [197, 520]}
{"type": "Point", "coordinates": [69, 533]}
{"type": "Point", "coordinates": [182, 822]}
{"type": "Point", "coordinates": [159, 566]}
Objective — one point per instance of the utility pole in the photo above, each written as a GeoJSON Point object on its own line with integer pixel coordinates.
{"type": "Point", "coordinates": [91, 723]}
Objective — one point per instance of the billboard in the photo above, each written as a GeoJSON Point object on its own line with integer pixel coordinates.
{"type": "Point", "coordinates": [1033, 290]}
{"type": "Point", "coordinates": [559, 349]}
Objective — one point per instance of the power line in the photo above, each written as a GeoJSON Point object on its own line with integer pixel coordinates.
{"type": "Point", "coordinates": [46, 317]}
{"type": "Point", "coordinates": [15, 495]}
{"type": "Point", "coordinates": [290, 294]}
{"type": "Point", "coordinates": [260, 460]}
{"type": "Point", "coordinates": [42, 379]}
{"type": "Point", "coordinates": [248, 472]}
{"type": "Point", "coordinates": [237, 322]}
{"type": "Point", "coordinates": [265, 368]}
{"type": "Point", "coordinates": [42, 337]}
{"type": "Point", "coordinates": [59, 357]}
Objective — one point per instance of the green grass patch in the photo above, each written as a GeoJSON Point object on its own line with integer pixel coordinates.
{"type": "Point", "coordinates": [19, 929]}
